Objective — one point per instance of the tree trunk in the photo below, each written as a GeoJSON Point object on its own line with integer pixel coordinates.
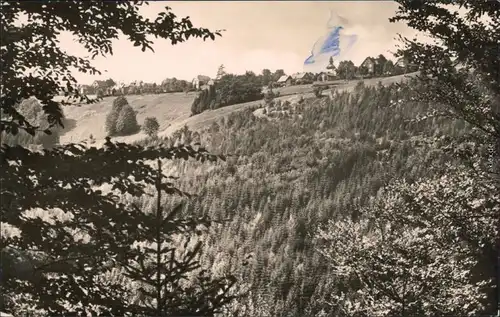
{"type": "Point", "coordinates": [159, 219]}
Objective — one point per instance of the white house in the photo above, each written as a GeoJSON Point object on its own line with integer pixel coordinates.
{"type": "Point", "coordinates": [302, 78]}
{"type": "Point", "coordinates": [285, 80]}
{"type": "Point", "coordinates": [201, 80]}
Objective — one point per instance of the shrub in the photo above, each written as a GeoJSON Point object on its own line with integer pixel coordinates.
{"type": "Point", "coordinates": [269, 97]}
{"type": "Point", "coordinates": [318, 92]}
{"type": "Point", "coordinates": [151, 126]}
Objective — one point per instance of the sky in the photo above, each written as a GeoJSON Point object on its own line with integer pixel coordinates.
{"type": "Point", "coordinates": [258, 35]}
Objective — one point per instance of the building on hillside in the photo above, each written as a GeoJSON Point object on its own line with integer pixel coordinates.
{"type": "Point", "coordinates": [285, 80]}
{"type": "Point", "coordinates": [211, 82]}
{"type": "Point", "coordinates": [320, 76]}
{"type": "Point", "coordinates": [86, 89]}
{"type": "Point", "coordinates": [200, 81]}
{"type": "Point", "coordinates": [96, 84]}
{"type": "Point", "coordinates": [326, 76]}
{"type": "Point", "coordinates": [117, 89]}
{"type": "Point", "coordinates": [134, 88]}
{"type": "Point", "coordinates": [405, 64]}
{"type": "Point", "coordinates": [370, 64]}
{"type": "Point", "coordinates": [302, 78]}
{"type": "Point", "coordinates": [402, 62]}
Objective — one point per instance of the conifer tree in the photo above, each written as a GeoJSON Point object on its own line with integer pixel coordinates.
{"type": "Point", "coordinates": [126, 123]}
{"type": "Point", "coordinates": [164, 272]}
{"type": "Point", "coordinates": [112, 117]}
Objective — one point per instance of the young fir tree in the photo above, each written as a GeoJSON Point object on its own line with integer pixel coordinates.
{"type": "Point", "coordinates": [163, 271]}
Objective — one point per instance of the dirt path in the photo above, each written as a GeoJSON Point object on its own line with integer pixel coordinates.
{"type": "Point", "coordinates": [208, 117]}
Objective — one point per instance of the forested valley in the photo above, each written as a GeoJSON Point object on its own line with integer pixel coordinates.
{"type": "Point", "coordinates": [380, 201]}
{"type": "Point", "coordinates": [285, 178]}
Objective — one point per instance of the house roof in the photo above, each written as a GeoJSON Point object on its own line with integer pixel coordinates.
{"type": "Point", "coordinates": [202, 78]}
{"type": "Point", "coordinates": [166, 81]}
{"type": "Point", "coordinates": [299, 75]}
{"type": "Point", "coordinates": [369, 60]}
{"type": "Point", "coordinates": [136, 83]}
{"type": "Point", "coordinates": [119, 85]}
{"type": "Point", "coordinates": [283, 78]}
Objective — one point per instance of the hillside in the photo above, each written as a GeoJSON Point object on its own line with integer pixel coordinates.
{"type": "Point", "coordinates": [206, 118]}
{"type": "Point", "coordinates": [289, 176]}
{"type": "Point", "coordinates": [172, 111]}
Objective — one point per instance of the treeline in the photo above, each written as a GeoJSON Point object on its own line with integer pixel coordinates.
{"type": "Point", "coordinates": [109, 87]}
{"type": "Point", "coordinates": [230, 89]}
{"type": "Point", "coordinates": [381, 67]}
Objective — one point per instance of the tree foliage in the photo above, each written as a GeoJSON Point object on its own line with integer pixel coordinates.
{"type": "Point", "coordinates": [32, 58]}
{"type": "Point", "coordinates": [472, 92]}
{"type": "Point", "coordinates": [233, 89]}
{"type": "Point", "coordinates": [121, 120]}
{"type": "Point", "coordinates": [112, 116]}
{"type": "Point", "coordinates": [396, 254]}
{"type": "Point", "coordinates": [460, 73]}
{"type": "Point", "coordinates": [151, 126]}
{"type": "Point", "coordinates": [346, 70]}
{"type": "Point", "coordinates": [415, 250]}
{"type": "Point", "coordinates": [229, 90]}
{"type": "Point", "coordinates": [32, 110]}
{"type": "Point", "coordinates": [220, 72]}
{"type": "Point", "coordinates": [291, 174]}
{"type": "Point", "coordinates": [204, 100]}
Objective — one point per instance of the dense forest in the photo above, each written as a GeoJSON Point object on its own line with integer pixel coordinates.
{"type": "Point", "coordinates": [321, 164]}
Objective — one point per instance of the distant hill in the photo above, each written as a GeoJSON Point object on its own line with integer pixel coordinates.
{"type": "Point", "coordinates": [172, 111]}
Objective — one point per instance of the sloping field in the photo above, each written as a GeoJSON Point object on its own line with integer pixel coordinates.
{"type": "Point", "coordinates": [84, 120]}
{"type": "Point", "coordinates": [173, 111]}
